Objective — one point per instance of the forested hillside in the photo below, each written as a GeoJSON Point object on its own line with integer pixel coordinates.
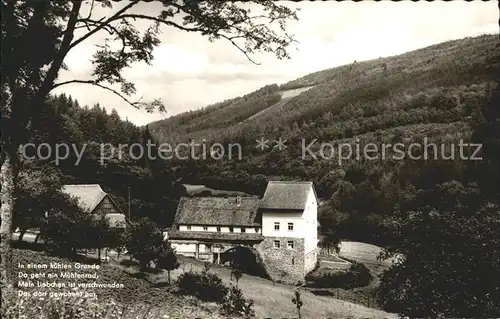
{"type": "Point", "coordinates": [92, 136]}
{"type": "Point", "coordinates": [434, 92]}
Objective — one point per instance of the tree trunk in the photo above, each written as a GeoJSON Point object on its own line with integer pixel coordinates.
{"type": "Point", "coordinates": [6, 210]}
{"type": "Point", "coordinates": [168, 272]}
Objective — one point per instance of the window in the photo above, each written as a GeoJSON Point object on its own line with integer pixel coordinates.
{"type": "Point", "coordinates": [218, 229]}
{"type": "Point", "coordinates": [188, 227]}
{"type": "Point", "coordinates": [290, 226]}
{"type": "Point", "coordinates": [231, 229]}
{"type": "Point", "coordinates": [276, 244]}
{"type": "Point", "coordinates": [289, 245]}
{"type": "Point", "coordinates": [205, 228]}
{"type": "Point", "coordinates": [276, 225]}
{"type": "Point", "coordinates": [243, 230]}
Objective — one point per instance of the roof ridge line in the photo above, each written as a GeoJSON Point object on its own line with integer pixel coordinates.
{"type": "Point", "coordinates": [291, 182]}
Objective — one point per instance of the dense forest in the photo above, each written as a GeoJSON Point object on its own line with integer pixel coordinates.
{"type": "Point", "coordinates": [434, 93]}
{"type": "Point", "coordinates": [440, 213]}
{"type": "Point", "coordinates": [94, 134]}
{"type": "Point", "coordinates": [437, 217]}
{"type": "Point", "coordinates": [401, 99]}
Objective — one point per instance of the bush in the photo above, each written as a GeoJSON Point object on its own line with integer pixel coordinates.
{"type": "Point", "coordinates": [236, 305]}
{"type": "Point", "coordinates": [145, 242]}
{"type": "Point", "coordinates": [204, 286]}
{"type": "Point", "coordinates": [356, 276]}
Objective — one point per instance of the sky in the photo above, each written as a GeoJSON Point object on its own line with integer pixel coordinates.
{"type": "Point", "coordinates": [189, 72]}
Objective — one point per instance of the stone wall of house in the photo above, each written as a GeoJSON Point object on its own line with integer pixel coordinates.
{"type": "Point", "coordinates": [283, 264]}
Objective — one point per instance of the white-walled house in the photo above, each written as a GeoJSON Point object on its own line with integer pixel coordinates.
{"type": "Point", "coordinates": [290, 225]}
{"type": "Point", "coordinates": [281, 227]}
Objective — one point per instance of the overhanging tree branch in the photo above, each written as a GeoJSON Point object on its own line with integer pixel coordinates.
{"type": "Point", "coordinates": [149, 106]}
{"type": "Point", "coordinates": [196, 29]}
{"type": "Point", "coordinates": [161, 21]}
{"type": "Point", "coordinates": [104, 23]}
{"type": "Point", "coordinates": [93, 82]}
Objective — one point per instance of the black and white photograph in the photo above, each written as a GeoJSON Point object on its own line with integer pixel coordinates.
{"type": "Point", "coordinates": [171, 159]}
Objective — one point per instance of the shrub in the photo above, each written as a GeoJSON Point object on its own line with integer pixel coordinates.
{"type": "Point", "coordinates": [205, 286]}
{"type": "Point", "coordinates": [356, 276]}
{"type": "Point", "coordinates": [167, 259]}
{"type": "Point", "coordinates": [236, 305]}
{"type": "Point", "coordinates": [236, 273]}
{"type": "Point", "coordinates": [145, 242]}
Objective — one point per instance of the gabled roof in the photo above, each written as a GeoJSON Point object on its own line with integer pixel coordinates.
{"type": "Point", "coordinates": [232, 211]}
{"type": "Point", "coordinates": [287, 195]}
{"type": "Point", "coordinates": [87, 195]}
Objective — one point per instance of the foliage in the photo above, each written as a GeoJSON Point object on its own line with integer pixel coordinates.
{"type": "Point", "coordinates": [420, 97]}
{"type": "Point", "coordinates": [330, 239]}
{"type": "Point", "coordinates": [448, 248]}
{"type": "Point", "coordinates": [236, 273]}
{"type": "Point", "coordinates": [206, 286]}
{"type": "Point", "coordinates": [167, 259]}
{"type": "Point", "coordinates": [117, 240]}
{"type": "Point", "coordinates": [235, 304]}
{"type": "Point", "coordinates": [36, 193]}
{"type": "Point", "coordinates": [145, 242]}
{"type": "Point", "coordinates": [29, 73]}
{"type": "Point", "coordinates": [487, 132]}
{"type": "Point", "coordinates": [356, 276]}
{"type": "Point", "coordinates": [66, 227]}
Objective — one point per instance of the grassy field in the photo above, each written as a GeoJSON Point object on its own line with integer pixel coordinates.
{"type": "Point", "coordinates": [275, 300]}
{"type": "Point", "coordinates": [285, 96]}
{"type": "Point", "coordinates": [360, 252]}
{"type": "Point", "coordinates": [271, 300]}
{"type": "Point", "coordinates": [332, 262]}
{"type": "Point", "coordinates": [366, 254]}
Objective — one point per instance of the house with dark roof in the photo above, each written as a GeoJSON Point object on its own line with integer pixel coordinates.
{"type": "Point", "coordinates": [93, 200]}
{"type": "Point", "coordinates": [281, 226]}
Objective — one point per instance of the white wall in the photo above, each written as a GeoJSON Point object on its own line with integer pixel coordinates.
{"type": "Point", "coordinates": [224, 229]}
{"type": "Point", "coordinates": [311, 223]}
{"type": "Point", "coordinates": [305, 224]}
{"type": "Point", "coordinates": [283, 217]}
{"type": "Point", "coordinates": [188, 247]}
{"type": "Point", "coordinates": [197, 228]}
